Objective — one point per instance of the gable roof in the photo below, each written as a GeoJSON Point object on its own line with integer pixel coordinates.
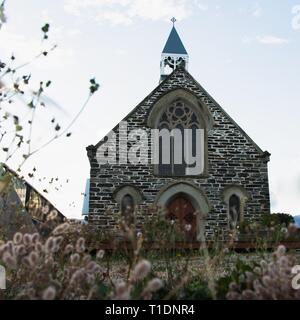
{"type": "Point", "coordinates": [160, 91]}
{"type": "Point", "coordinates": [174, 44]}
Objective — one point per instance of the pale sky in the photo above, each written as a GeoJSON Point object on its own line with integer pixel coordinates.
{"type": "Point", "coordinates": [245, 53]}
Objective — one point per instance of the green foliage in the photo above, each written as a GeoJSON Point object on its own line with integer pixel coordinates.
{"type": "Point", "coordinates": [277, 219]}
{"type": "Point", "coordinates": [103, 290]}
{"type": "Point", "coordinates": [94, 86]}
{"type": "Point", "coordinates": [160, 228]}
{"type": "Point", "coordinates": [237, 275]}
{"type": "Point", "coordinates": [196, 289]}
{"type": "Point", "coordinates": [45, 30]}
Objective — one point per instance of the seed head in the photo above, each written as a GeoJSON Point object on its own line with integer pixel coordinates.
{"type": "Point", "coordinates": [49, 293]}
{"type": "Point", "coordinates": [281, 250]}
{"type": "Point", "coordinates": [80, 245]}
{"type": "Point", "coordinates": [68, 249]}
{"type": "Point", "coordinates": [27, 239]}
{"type": "Point", "coordinates": [100, 254]}
{"type": "Point", "coordinates": [75, 258]}
{"type": "Point", "coordinates": [154, 285]}
{"type": "Point", "coordinates": [20, 250]}
{"type": "Point", "coordinates": [35, 238]}
{"type": "Point", "coordinates": [18, 237]}
{"type": "Point", "coordinates": [9, 260]}
{"type": "Point", "coordinates": [50, 245]}
{"type": "Point", "coordinates": [141, 270]}
{"type": "Point", "coordinates": [62, 228]}
{"type": "Point", "coordinates": [52, 215]}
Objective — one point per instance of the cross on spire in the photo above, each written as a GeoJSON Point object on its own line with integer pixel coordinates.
{"type": "Point", "coordinates": [173, 20]}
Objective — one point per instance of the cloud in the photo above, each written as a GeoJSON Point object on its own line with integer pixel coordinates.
{"type": "Point", "coordinates": [272, 40]}
{"type": "Point", "coordinates": [26, 48]}
{"type": "Point", "coordinates": [246, 40]}
{"type": "Point", "coordinates": [258, 11]}
{"type": "Point", "coordinates": [201, 5]}
{"type": "Point", "coordinates": [125, 12]}
{"type": "Point", "coordinates": [120, 52]}
{"type": "Point", "coordinates": [265, 40]}
{"type": "Point", "coordinates": [115, 18]}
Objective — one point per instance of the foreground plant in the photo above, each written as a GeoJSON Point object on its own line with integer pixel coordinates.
{"type": "Point", "coordinates": [61, 267]}
{"type": "Point", "coordinates": [268, 280]}
{"type": "Point", "coordinates": [49, 269]}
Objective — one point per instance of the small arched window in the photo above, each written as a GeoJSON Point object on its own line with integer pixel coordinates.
{"type": "Point", "coordinates": [235, 198]}
{"type": "Point", "coordinates": [177, 116]}
{"type": "Point", "coordinates": [127, 208]}
{"type": "Point", "coordinates": [234, 209]}
{"type": "Point", "coordinates": [128, 199]}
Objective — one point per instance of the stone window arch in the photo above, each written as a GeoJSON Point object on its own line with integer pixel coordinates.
{"type": "Point", "coordinates": [235, 198]}
{"type": "Point", "coordinates": [128, 198]}
{"type": "Point", "coordinates": [179, 110]}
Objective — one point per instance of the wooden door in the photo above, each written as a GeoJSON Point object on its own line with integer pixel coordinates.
{"type": "Point", "coordinates": [182, 210]}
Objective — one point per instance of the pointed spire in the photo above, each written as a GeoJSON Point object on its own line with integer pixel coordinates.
{"type": "Point", "coordinates": [174, 43]}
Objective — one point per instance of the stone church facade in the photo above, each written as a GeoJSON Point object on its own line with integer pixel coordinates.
{"type": "Point", "coordinates": [232, 186]}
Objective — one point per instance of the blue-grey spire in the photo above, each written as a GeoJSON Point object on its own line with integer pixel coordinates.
{"type": "Point", "coordinates": [174, 44]}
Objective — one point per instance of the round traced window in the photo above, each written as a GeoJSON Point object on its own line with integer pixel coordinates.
{"type": "Point", "coordinates": [178, 115]}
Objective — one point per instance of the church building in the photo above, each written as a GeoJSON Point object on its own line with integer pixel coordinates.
{"type": "Point", "coordinates": [231, 182]}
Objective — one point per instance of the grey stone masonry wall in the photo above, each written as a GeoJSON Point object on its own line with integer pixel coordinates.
{"type": "Point", "coordinates": [233, 159]}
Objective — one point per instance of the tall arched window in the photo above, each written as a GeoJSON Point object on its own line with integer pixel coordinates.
{"type": "Point", "coordinates": [235, 198]}
{"type": "Point", "coordinates": [127, 207]}
{"type": "Point", "coordinates": [177, 116]}
{"type": "Point", "coordinates": [234, 209]}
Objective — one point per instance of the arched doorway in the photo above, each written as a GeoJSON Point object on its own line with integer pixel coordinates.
{"type": "Point", "coordinates": [181, 209]}
{"type": "Point", "coordinates": [196, 197]}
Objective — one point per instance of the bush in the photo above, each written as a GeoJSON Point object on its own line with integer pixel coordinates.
{"type": "Point", "coordinates": [277, 219]}
{"type": "Point", "coordinates": [196, 289]}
